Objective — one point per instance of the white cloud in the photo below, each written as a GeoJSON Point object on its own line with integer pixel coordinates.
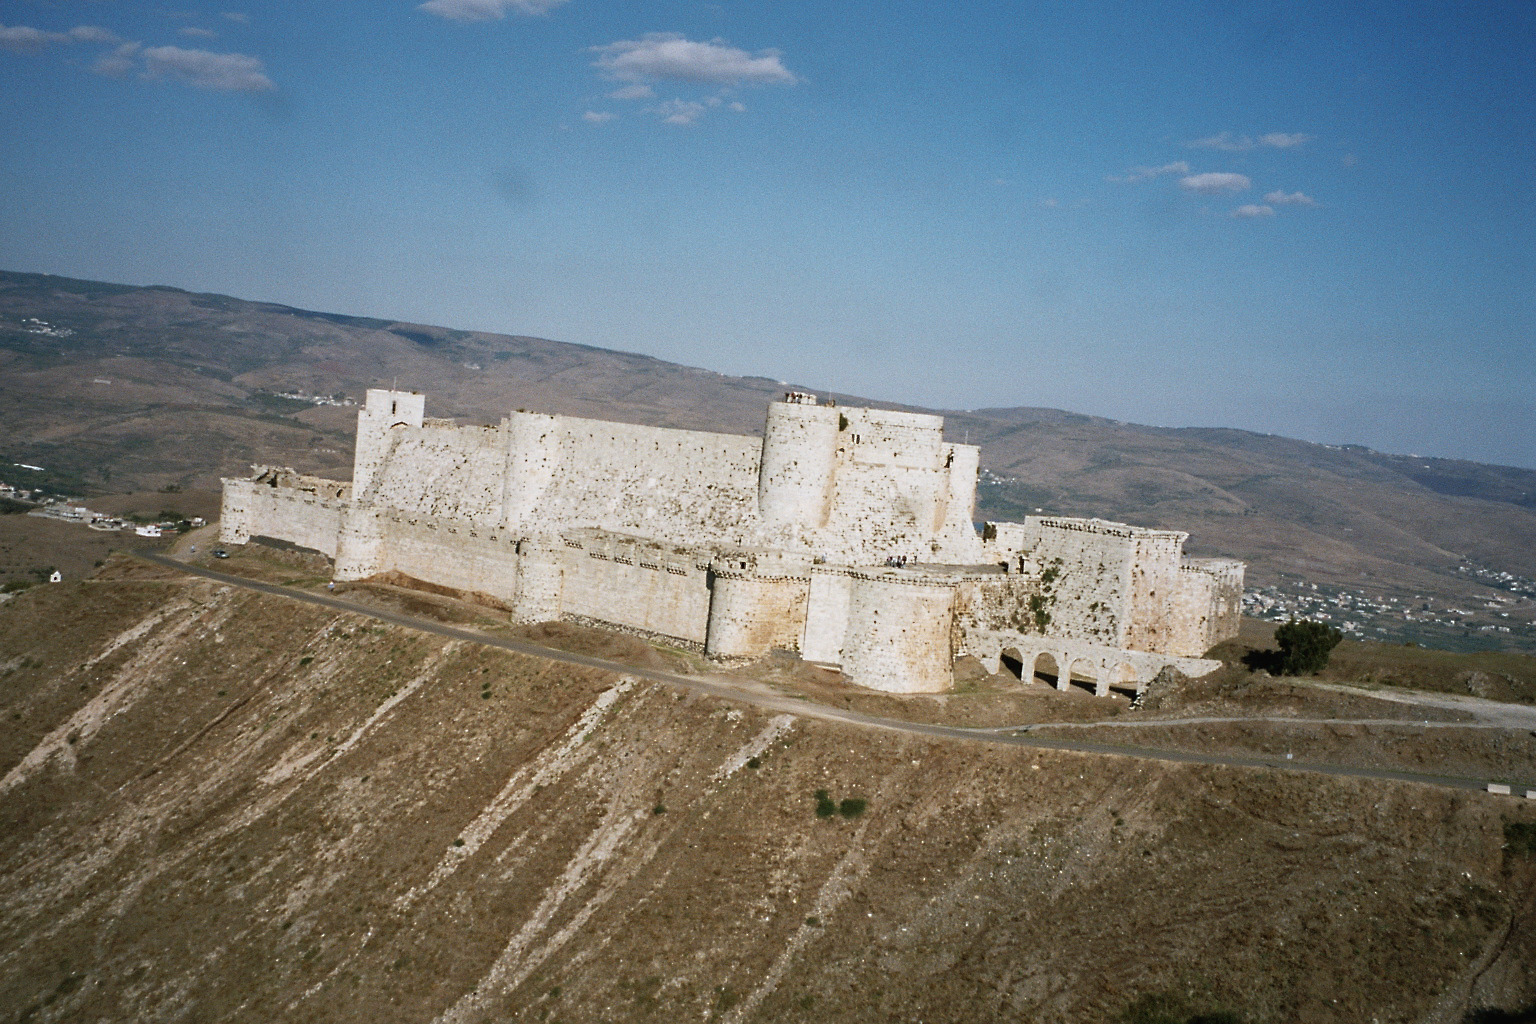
{"type": "Point", "coordinates": [200, 33]}
{"type": "Point", "coordinates": [1252, 211]}
{"type": "Point", "coordinates": [1289, 199]}
{"type": "Point", "coordinates": [1229, 143]}
{"type": "Point", "coordinates": [117, 63]}
{"type": "Point", "coordinates": [1216, 182]}
{"type": "Point", "coordinates": [737, 106]}
{"type": "Point", "coordinates": [228, 72]}
{"type": "Point", "coordinates": [25, 39]}
{"type": "Point", "coordinates": [598, 116]}
{"type": "Point", "coordinates": [683, 112]}
{"type": "Point", "coordinates": [1224, 141]}
{"type": "Point", "coordinates": [237, 17]}
{"type": "Point", "coordinates": [1143, 173]}
{"type": "Point", "coordinates": [1284, 140]}
{"type": "Point", "coordinates": [633, 92]}
{"type": "Point", "coordinates": [670, 55]}
{"type": "Point", "coordinates": [93, 34]}
{"type": "Point", "coordinates": [486, 10]}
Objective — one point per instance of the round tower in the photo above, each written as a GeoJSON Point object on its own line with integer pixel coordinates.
{"type": "Point", "coordinates": [533, 448]}
{"type": "Point", "coordinates": [755, 608]}
{"type": "Point", "coordinates": [540, 581]}
{"type": "Point", "coordinates": [794, 482]}
{"type": "Point", "coordinates": [899, 632]}
{"type": "Point", "coordinates": [360, 544]}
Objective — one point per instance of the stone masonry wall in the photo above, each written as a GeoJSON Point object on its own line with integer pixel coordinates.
{"type": "Point", "coordinates": [1155, 591]}
{"type": "Point", "coordinates": [900, 490]}
{"type": "Point", "coordinates": [454, 553]}
{"type": "Point", "coordinates": [826, 615]}
{"type": "Point", "coordinates": [688, 487]}
{"type": "Point", "coordinates": [445, 472]}
{"type": "Point", "coordinates": [250, 509]}
{"type": "Point", "coordinates": [1085, 576]}
{"type": "Point", "coordinates": [1207, 605]}
{"type": "Point", "coordinates": [629, 582]}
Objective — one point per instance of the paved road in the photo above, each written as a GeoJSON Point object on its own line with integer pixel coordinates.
{"type": "Point", "coordinates": [1015, 736]}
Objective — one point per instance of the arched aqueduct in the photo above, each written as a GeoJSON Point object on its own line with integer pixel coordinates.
{"type": "Point", "coordinates": [1068, 661]}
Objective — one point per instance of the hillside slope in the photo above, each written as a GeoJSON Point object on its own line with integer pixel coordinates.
{"type": "Point", "coordinates": [222, 805]}
{"type": "Point", "coordinates": [114, 388]}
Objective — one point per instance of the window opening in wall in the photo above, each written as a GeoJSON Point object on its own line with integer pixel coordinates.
{"type": "Point", "coordinates": [392, 407]}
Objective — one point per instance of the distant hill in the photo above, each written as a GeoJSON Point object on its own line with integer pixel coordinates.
{"type": "Point", "coordinates": [113, 388]}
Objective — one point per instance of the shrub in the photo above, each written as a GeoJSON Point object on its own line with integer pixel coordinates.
{"type": "Point", "coordinates": [1305, 646]}
{"type": "Point", "coordinates": [1167, 1008]}
{"type": "Point", "coordinates": [1520, 837]}
{"type": "Point", "coordinates": [852, 807]}
{"type": "Point", "coordinates": [825, 808]}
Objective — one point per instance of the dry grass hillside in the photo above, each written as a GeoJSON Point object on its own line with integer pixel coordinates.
{"type": "Point", "coordinates": [218, 805]}
{"type": "Point", "coordinates": [130, 388]}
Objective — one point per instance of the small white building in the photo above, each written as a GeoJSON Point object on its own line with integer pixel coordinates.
{"type": "Point", "coordinates": [56, 577]}
{"type": "Point", "coordinates": [147, 531]}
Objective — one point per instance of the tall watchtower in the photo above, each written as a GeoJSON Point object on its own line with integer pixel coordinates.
{"type": "Point", "coordinates": [799, 463]}
{"type": "Point", "coordinates": [381, 412]}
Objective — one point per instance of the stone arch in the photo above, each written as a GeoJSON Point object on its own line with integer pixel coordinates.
{"type": "Point", "coordinates": [1012, 662]}
{"type": "Point", "coordinates": [1085, 672]}
{"type": "Point", "coordinates": [1046, 668]}
{"type": "Point", "coordinates": [1125, 677]}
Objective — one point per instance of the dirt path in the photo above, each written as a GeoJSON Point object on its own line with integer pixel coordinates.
{"type": "Point", "coordinates": [1502, 725]}
{"type": "Point", "coordinates": [1024, 735]}
{"type": "Point", "coordinates": [1491, 713]}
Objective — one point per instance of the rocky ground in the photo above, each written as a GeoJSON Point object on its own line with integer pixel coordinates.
{"type": "Point", "coordinates": [220, 805]}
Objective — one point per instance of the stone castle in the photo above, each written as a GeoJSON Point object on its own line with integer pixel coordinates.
{"type": "Point", "coordinates": [844, 533]}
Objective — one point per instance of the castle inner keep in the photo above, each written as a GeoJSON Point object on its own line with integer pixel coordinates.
{"type": "Point", "coordinates": [844, 533]}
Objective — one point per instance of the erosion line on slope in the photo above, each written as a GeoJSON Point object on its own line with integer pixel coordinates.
{"type": "Point", "coordinates": [833, 893]}
{"type": "Point", "coordinates": [519, 960]}
{"type": "Point", "coordinates": [134, 632]}
{"type": "Point", "coordinates": [599, 848]}
{"type": "Point", "coordinates": [548, 766]}
{"type": "Point", "coordinates": [127, 685]}
{"type": "Point", "coordinates": [145, 816]}
{"type": "Point", "coordinates": [776, 727]}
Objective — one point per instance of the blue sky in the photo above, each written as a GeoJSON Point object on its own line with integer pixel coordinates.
{"type": "Point", "coordinates": [1311, 219]}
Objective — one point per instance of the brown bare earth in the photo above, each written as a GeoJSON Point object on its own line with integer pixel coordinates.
{"type": "Point", "coordinates": [223, 805]}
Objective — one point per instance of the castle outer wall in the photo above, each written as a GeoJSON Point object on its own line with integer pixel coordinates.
{"type": "Point", "coordinates": [844, 534]}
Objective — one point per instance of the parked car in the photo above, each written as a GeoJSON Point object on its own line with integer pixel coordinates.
{"type": "Point", "coordinates": [220, 553]}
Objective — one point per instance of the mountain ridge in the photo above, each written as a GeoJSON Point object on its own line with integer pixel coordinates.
{"type": "Point", "coordinates": [118, 387]}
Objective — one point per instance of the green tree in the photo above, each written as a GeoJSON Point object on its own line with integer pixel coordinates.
{"type": "Point", "coordinates": [1305, 646]}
